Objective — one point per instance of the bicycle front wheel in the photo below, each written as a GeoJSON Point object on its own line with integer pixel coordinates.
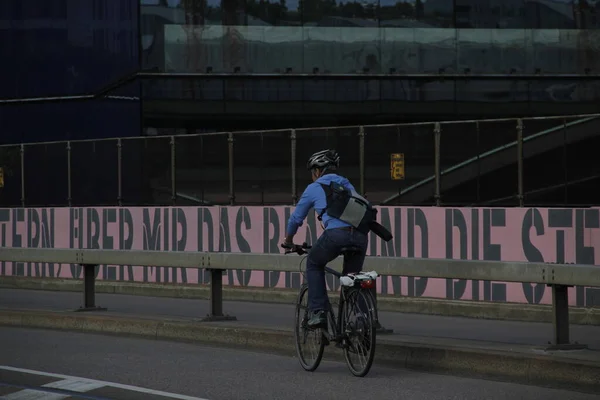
{"type": "Point", "coordinates": [358, 325]}
{"type": "Point", "coordinates": [309, 342]}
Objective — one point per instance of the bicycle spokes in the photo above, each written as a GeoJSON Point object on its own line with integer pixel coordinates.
{"type": "Point", "coordinates": [309, 343]}
{"type": "Point", "coordinates": [359, 331]}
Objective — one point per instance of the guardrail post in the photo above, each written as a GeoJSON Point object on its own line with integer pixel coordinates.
{"type": "Point", "coordinates": [560, 320]}
{"type": "Point", "coordinates": [216, 297]}
{"type": "Point", "coordinates": [89, 289]}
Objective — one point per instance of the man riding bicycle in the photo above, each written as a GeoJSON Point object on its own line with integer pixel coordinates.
{"type": "Point", "coordinates": [346, 219]}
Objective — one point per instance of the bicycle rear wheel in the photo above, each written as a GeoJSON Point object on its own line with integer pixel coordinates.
{"type": "Point", "coordinates": [358, 324]}
{"type": "Point", "coordinates": [309, 342]}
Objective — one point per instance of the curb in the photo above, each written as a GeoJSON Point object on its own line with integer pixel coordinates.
{"type": "Point", "coordinates": [403, 304]}
{"type": "Point", "coordinates": [517, 367]}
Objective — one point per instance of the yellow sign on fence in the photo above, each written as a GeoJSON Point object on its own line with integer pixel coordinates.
{"type": "Point", "coordinates": [1, 177]}
{"type": "Point", "coordinates": [397, 166]}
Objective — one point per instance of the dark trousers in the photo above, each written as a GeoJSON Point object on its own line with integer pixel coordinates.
{"type": "Point", "coordinates": [325, 250]}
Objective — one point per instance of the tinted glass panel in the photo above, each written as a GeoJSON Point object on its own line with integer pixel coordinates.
{"type": "Point", "coordinates": [66, 48]}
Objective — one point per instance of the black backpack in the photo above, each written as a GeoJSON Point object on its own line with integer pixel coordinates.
{"type": "Point", "coordinates": [350, 207]}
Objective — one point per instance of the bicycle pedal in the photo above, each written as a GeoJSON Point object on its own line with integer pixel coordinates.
{"type": "Point", "coordinates": [342, 344]}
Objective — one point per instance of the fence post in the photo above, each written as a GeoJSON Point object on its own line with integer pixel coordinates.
{"type": "Point", "coordinates": [478, 162]}
{"type": "Point", "coordinates": [69, 183]}
{"type": "Point", "coordinates": [361, 157]}
{"type": "Point", "coordinates": [565, 161]}
{"type": "Point", "coordinates": [119, 172]}
{"type": "Point", "coordinates": [520, 161]}
{"type": "Point", "coordinates": [437, 130]}
{"type": "Point", "coordinates": [379, 329]}
{"type": "Point", "coordinates": [22, 150]}
{"type": "Point", "coordinates": [294, 183]}
{"type": "Point", "coordinates": [231, 175]}
{"type": "Point", "coordinates": [173, 185]}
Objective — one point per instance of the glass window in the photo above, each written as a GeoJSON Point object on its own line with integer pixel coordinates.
{"type": "Point", "coordinates": [344, 50]}
{"type": "Point", "coordinates": [399, 14]}
{"type": "Point", "coordinates": [341, 36]}
{"type": "Point", "coordinates": [492, 51]}
{"type": "Point", "coordinates": [546, 14]}
{"type": "Point", "coordinates": [587, 14]}
{"type": "Point", "coordinates": [416, 13]}
{"type": "Point", "coordinates": [416, 36]}
{"type": "Point", "coordinates": [496, 14]}
{"type": "Point", "coordinates": [273, 12]}
{"type": "Point", "coordinates": [438, 13]}
{"type": "Point", "coordinates": [339, 13]}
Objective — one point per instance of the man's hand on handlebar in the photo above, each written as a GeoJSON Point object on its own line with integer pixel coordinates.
{"type": "Point", "coordinates": [295, 248]}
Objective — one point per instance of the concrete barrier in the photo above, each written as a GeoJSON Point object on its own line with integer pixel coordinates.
{"type": "Point", "coordinates": [514, 363]}
{"type": "Point", "coordinates": [429, 306]}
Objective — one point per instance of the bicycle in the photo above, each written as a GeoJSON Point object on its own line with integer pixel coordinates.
{"type": "Point", "coordinates": [340, 329]}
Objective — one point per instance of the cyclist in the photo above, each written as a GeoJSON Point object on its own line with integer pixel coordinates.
{"type": "Point", "coordinates": [347, 227]}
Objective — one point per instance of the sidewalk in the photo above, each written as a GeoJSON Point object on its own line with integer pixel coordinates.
{"type": "Point", "coordinates": [281, 317]}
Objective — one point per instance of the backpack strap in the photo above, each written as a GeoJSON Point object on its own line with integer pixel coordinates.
{"type": "Point", "coordinates": [327, 191]}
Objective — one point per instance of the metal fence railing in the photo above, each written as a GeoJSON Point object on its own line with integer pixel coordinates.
{"type": "Point", "coordinates": [443, 163]}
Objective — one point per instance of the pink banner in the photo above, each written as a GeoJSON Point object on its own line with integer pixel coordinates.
{"type": "Point", "coordinates": [503, 234]}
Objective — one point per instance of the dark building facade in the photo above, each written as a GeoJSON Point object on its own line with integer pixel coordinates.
{"type": "Point", "coordinates": [72, 47]}
{"type": "Point", "coordinates": [400, 38]}
{"type": "Point", "coordinates": [68, 48]}
{"type": "Point", "coordinates": [280, 58]}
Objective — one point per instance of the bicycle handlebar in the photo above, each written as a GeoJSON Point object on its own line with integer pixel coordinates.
{"type": "Point", "coordinates": [296, 248]}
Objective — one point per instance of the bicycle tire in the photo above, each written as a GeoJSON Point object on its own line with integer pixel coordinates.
{"type": "Point", "coordinates": [301, 315]}
{"type": "Point", "coordinates": [369, 333]}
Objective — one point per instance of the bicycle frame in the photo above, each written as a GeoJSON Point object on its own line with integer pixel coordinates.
{"type": "Point", "coordinates": [336, 330]}
{"type": "Point", "coordinates": [336, 325]}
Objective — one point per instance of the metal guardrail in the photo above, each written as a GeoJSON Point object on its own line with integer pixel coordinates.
{"type": "Point", "coordinates": [558, 276]}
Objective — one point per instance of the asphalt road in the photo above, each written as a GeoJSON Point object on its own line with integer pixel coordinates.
{"type": "Point", "coordinates": [281, 316]}
{"type": "Point", "coordinates": [223, 374]}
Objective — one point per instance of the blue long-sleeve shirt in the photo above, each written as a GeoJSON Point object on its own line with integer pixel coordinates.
{"type": "Point", "coordinates": [314, 197]}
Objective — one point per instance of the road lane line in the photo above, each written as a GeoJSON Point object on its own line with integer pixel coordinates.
{"type": "Point", "coordinates": [75, 385]}
{"type": "Point", "coordinates": [29, 394]}
{"type": "Point", "coordinates": [103, 383]}
{"type": "Point", "coordinates": [29, 389]}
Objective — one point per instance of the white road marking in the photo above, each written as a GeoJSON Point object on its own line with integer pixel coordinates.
{"type": "Point", "coordinates": [97, 382]}
{"type": "Point", "coordinates": [74, 385]}
{"type": "Point", "coordinates": [29, 394]}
